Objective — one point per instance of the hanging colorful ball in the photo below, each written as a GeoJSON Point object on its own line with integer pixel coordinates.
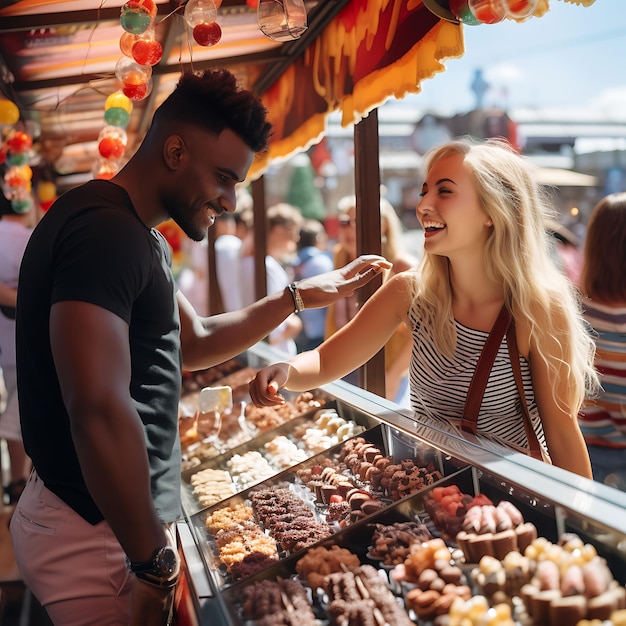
{"type": "Point", "coordinates": [18, 158]}
{"type": "Point", "coordinates": [460, 9]}
{"type": "Point", "coordinates": [520, 10]}
{"type": "Point", "coordinates": [137, 91]}
{"type": "Point", "coordinates": [207, 34]}
{"type": "Point", "coordinates": [488, 11]}
{"type": "Point", "coordinates": [116, 116]}
{"type": "Point", "coordinates": [200, 12]}
{"type": "Point", "coordinates": [19, 176]}
{"type": "Point", "coordinates": [46, 191]}
{"type": "Point", "coordinates": [9, 113]}
{"type": "Point", "coordinates": [112, 142]}
{"type": "Point", "coordinates": [137, 15]}
{"type": "Point", "coordinates": [147, 51]}
{"type": "Point", "coordinates": [118, 100]}
{"type": "Point", "coordinates": [129, 71]}
{"type": "Point", "coordinates": [21, 205]}
{"type": "Point", "coordinates": [19, 141]}
{"type": "Point", "coordinates": [111, 148]}
{"type": "Point", "coordinates": [127, 41]}
{"type": "Point", "coordinates": [104, 170]}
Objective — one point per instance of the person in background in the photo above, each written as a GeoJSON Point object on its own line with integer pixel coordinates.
{"type": "Point", "coordinates": [193, 281]}
{"type": "Point", "coordinates": [283, 233]}
{"type": "Point", "coordinates": [486, 253]}
{"type": "Point", "coordinates": [603, 283]}
{"type": "Point", "coordinates": [228, 252]}
{"type": "Point", "coordinates": [15, 230]}
{"type": "Point", "coordinates": [567, 250]}
{"type": "Point", "coordinates": [102, 337]}
{"type": "Point", "coordinates": [313, 259]}
{"type": "Point", "coordinates": [398, 348]}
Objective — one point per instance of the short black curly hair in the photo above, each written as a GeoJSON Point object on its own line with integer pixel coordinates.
{"type": "Point", "coordinates": [215, 101]}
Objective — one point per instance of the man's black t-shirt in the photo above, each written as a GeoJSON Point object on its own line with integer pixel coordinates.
{"type": "Point", "coordinates": [92, 247]}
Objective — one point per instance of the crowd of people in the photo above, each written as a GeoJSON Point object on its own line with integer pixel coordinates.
{"type": "Point", "coordinates": [94, 448]}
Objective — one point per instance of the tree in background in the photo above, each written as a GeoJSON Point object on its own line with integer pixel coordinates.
{"type": "Point", "coordinates": [302, 191]}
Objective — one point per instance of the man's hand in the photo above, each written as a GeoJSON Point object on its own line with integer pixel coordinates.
{"type": "Point", "coordinates": [324, 289]}
{"type": "Point", "coordinates": [151, 605]}
{"type": "Point", "coordinates": [265, 385]}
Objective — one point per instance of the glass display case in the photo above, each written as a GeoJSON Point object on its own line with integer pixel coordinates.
{"type": "Point", "coordinates": [351, 484]}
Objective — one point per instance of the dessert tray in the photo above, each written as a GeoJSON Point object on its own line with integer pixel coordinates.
{"type": "Point", "coordinates": [463, 546]}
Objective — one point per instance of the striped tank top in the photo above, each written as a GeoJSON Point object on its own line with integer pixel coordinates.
{"type": "Point", "coordinates": [603, 419]}
{"type": "Point", "coordinates": [439, 385]}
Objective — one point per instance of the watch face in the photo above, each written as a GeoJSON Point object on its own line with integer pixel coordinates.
{"type": "Point", "coordinates": [167, 562]}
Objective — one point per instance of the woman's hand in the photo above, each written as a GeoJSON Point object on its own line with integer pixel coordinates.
{"type": "Point", "coordinates": [324, 289]}
{"type": "Point", "coordinates": [264, 387]}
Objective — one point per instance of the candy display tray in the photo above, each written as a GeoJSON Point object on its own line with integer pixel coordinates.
{"type": "Point", "coordinates": [206, 541]}
{"type": "Point", "coordinates": [290, 430]}
{"type": "Point", "coordinates": [236, 426]}
{"type": "Point", "coordinates": [357, 539]}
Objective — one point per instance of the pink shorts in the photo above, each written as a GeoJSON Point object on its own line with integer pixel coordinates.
{"type": "Point", "coordinates": [77, 571]}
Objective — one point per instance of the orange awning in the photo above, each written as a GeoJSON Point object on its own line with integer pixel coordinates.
{"type": "Point", "coordinates": [371, 51]}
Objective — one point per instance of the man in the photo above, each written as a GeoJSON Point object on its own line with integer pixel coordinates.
{"type": "Point", "coordinates": [102, 336]}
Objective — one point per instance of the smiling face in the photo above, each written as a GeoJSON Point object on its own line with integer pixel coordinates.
{"type": "Point", "coordinates": [449, 211]}
{"type": "Point", "coordinates": [208, 168]}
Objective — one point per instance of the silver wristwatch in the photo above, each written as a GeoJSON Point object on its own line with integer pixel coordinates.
{"type": "Point", "coordinates": [161, 570]}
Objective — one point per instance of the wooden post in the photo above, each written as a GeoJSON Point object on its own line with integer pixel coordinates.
{"type": "Point", "coordinates": [260, 238]}
{"type": "Point", "coordinates": [367, 186]}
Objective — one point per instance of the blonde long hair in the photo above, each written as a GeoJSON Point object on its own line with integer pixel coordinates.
{"type": "Point", "coordinates": [517, 255]}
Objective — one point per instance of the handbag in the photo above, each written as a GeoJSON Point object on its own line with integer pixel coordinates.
{"type": "Point", "coordinates": [504, 324]}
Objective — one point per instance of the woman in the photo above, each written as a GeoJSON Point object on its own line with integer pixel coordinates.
{"type": "Point", "coordinates": [485, 246]}
{"type": "Point", "coordinates": [603, 282]}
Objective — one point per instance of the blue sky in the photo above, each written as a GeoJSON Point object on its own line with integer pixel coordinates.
{"type": "Point", "coordinates": [572, 57]}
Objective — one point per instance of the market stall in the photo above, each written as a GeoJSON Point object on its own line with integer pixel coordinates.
{"type": "Point", "coordinates": [358, 57]}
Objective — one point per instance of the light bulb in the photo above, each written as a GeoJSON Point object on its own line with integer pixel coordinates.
{"type": "Point", "coordinates": [282, 20]}
{"type": "Point", "coordinates": [200, 12]}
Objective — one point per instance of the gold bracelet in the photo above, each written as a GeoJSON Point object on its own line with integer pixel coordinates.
{"type": "Point", "coordinates": [298, 302]}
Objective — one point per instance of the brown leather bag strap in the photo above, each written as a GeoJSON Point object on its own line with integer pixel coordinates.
{"type": "Point", "coordinates": [533, 442]}
{"type": "Point", "coordinates": [469, 421]}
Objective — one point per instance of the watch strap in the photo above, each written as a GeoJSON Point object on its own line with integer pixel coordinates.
{"type": "Point", "coordinates": [157, 581]}
{"type": "Point", "coordinates": [298, 302]}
